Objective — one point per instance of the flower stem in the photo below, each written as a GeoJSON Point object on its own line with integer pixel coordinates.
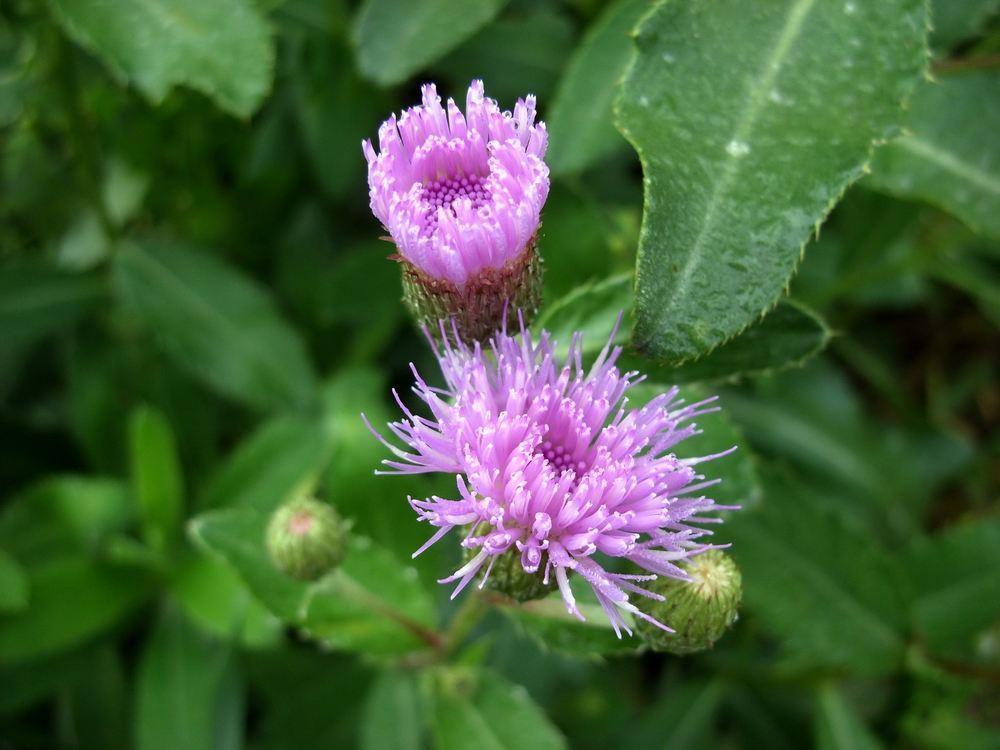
{"type": "Point", "coordinates": [465, 619]}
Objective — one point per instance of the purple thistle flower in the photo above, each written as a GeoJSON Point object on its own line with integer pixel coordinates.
{"type": "Point", "coordinates": [551, 463]}
{"type": "Point", "coordinates": [459, 193]}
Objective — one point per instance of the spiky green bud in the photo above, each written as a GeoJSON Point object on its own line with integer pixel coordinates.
{"type": "Point", "coordinates": [478, 308]}
{"type": "Point", "coordinates": [306, 538]}
{"type": "Point", "coordinates": [509, 577]}
{"type": "Point", "coordinates": [699, 610]}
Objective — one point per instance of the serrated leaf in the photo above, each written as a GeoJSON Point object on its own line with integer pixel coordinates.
{"type": "Point", "coordinates": [392, 717]}
{"type": "Point", "coordinates": [156, 476]}
{"type": "Point", "coordinates": [956, 580]}
{"type": "Point", "coordinates": [581, 130]}
{"type": "Point", "coordinates": [786, 336]}
{"type": "Point", "coordinates": [220, 47]}
{"type": "Point", "coordinates": [371, 603]}
{"type": "Point", "coordinates": [72, 600]}
{"type": "Point", "coordinates": [830, 592]}
{"type": "Point", "coordinates": [838, 727]}
{"type": "Point", "coordinates": [188, 695]}
{"type": "Point", "coordinates": [477, 710]}
{"type": "Point", "coordinates": [751, 119]}
{"type": "Point", "coordinates": [216, 324]}
{"type": "Point", "coordinates": [950, 156]}
{"type": "Point", "coordinates": [396, 38]}
{"type": "Point", "coordinates": [37, 300]}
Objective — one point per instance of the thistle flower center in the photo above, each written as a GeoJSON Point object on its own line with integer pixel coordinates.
{"type": "Point", "coordinates": [443, 192]}
{"type": "Point", "coordinates": [562, 460]}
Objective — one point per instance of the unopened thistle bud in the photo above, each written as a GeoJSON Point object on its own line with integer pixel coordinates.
{"type": "Point", "coordinates": [699, 610]}
{"type": "Point", "coordinates": [461, 197]}
{"type": "Point", "coordinates": [306, 538]}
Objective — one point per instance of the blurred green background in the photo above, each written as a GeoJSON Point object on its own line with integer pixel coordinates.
{"type": "Point", "coordinates": [195, 308]}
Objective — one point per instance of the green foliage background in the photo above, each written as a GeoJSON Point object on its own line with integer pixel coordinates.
{"type": "Point", "coordinates": [195, 308]}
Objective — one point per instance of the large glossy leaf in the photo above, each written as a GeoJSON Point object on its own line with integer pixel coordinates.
{"type": "Point", "coordinates": [370, 603]}
{"type": "Point", "coordinates": [787, 336]}
{"type": "Point", "coordinates": [396, 38]}
{"type": "Point", "coordinates": [750, 120]}
{"type": "Point", "coordinates": [831, 593]}
{"type": "Point", "coordinates": [581, 130]}
{"type": "Point", "coordinates": [216, 324]}
{"type": "Point", "coordinates": [482, 711]}
{"type": "Point", "coordinates": [950, 155]}
{"type": "Point", "coordinates": [73, 599]}
{"type": "Point", "coordinates": [36, 300]}
{"type": "Point", "coordinates": [219, 47]}
{"type": "Point", "coordinates": [188, 692]}
{"type": "Point", "coordinates": [956, 582]}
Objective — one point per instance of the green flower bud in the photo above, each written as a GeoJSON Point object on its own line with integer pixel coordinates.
{"type": "Point", "coordinates": [306, 538]}
{"type": "Point", "coordinates": [479, 307]}
{"type": "Point", "coordinates": [699, 610]}
{"type": "Point", "coordinates": [508, 577]}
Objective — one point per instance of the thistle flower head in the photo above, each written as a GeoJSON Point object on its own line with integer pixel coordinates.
{"type": "Point", "coordinates": [459, 193]}
{"type": "Point", "coordinates": [554, 467]}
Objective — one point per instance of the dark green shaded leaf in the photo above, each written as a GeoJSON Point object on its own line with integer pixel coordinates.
{"type": "Point", "coordinates": [219, 47]}
{"type": "Point", "coordinates": [216, 324]}
{"type": "Point", "coordinates": [683, 717]}
{"type": "Point", "coordinates": [482, 711]}
{"type": "Point", "coordinates": [188, 694]}
{"type": "Point", "coordinates": [838, 727]}
{"type": "Point", "coordinates": [396, 38]}
{"type": "Point", "coordinates": [37, 300]}
{"type": "Point", "coordinates": [950, 156]}
{"type": "Point", "coordinates": [72, 600]}
{"type": "Point", "coordinates": [957, 20]}
{"type": "Point", "coordinates": [392, 718]}
{"type": "Point", "coordinates": [13, 585]}
{"type": "Point", "coordinates": [956, 580]}
{"type": "Point", "coordinates": [735, 110]}
{"type": "Point", "coordinates": [830, 592]}
{"type": "Point", "coordinates": [580, 123]}
{"type": "Point", "coordinates": [62, 515]}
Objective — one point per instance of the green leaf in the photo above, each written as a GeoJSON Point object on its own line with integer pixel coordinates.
{"type": "Point", "coordinates": [955, 21]}
{"type": "Point", "coordinates": [72, 600]}
{"type": "Point", "coordinates": [282, 457]}
{"type": "Point", "coordinates": [188, 695]}
{"type": "Point", "coordinates": [216, 324]}
{"type": "Point", "coordinates": [548, 623]}
{"type": "Point", "coordinates": [956, 580]}
{"type": "Point", "coordinates": [838, 727]}
{"type": "Point", "coordinates": [950, 156]}
{"type": "Point", "coordinates": [392, 717]}
{"type": "Point", "coordinates": [830, 592]}
{"type": "Point", "coordinates": [37, 300]}
{"type": "Point", "coordinates": [786, 337]}
{"type": "Point", "coordinates": [397, 38]}
{"type": "Point", "coordinates": [684, 717]}
{"type": "Point", "coordinates": [739, 113]}
{"type": "Point", "coordinates": [62, 515]}
{"type": "Point", "coordinates": [482, 711]}
{"type": "Point", "coordinates": [580, 122]}
{"type": "Point", "coordinates": [370, 603]}
{"type": "Point", "coordinates": [156, 476]}
{"type": "Point", "coordinates": [13, 585]}
{"type": "Point", "coordinates": [219, 47]}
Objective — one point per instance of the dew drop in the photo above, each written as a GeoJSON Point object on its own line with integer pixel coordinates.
{"type": "Point", "coordinates": [849, 8]}
{"type": "Point", "coordinates": [668, 58]}
{"type": "Point", "coordinates": [644, 101]}
{"type": "Point", "coordinates": [737, 148]}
